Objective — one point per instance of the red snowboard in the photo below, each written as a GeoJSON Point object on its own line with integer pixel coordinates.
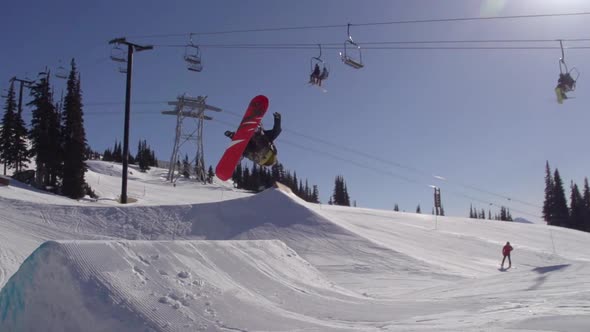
{"type": "Point", "coordinates": [252, 118]}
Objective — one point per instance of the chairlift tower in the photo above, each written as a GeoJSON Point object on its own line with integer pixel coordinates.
{"type": "Point", "coordinates": [194, 108]}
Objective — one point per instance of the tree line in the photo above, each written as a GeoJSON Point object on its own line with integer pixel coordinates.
{"type": "Point", "coordinates": [504, 214]}
{"type": "Point", "coordinates": [57, 137]}
{"type": "Point", "coordinates": [555, 209]}
{"type": "Point", "coordinates": [145, 157]}
{"type": "Point", "coordinates": [260, 178]}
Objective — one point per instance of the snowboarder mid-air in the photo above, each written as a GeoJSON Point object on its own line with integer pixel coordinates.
{"type": "Point", "coordinates": [260, 148]}
{"type": "Point", "coordinates": [506, 252]}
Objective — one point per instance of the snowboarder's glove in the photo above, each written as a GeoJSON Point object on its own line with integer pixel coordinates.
{"type": "Point", "coordinates": [277, 115]}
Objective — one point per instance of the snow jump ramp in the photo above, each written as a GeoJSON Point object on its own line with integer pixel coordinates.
{"type": "Point", "coordinates": [176, 286]}
{"type": "Point", "coordinates": [342, 256]}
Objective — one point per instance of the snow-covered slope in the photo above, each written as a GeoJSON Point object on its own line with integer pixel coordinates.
{"type": "Point", "coordinates": [271, 262]}
{"type": "Point", "coordinates": [350, 260]}
{"type": "Point", "coordinates": [175, 286]}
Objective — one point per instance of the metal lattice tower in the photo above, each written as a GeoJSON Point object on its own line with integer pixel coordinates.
{"type": "Point", "coordinates": [193, 108]}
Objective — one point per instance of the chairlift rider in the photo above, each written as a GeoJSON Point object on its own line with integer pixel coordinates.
{"type": "Point", "coordinates": [315, 75]}
{"type": "Point", "coordinates": [565, 83]}
{"type": "Point", "coordinates": [261, 148]}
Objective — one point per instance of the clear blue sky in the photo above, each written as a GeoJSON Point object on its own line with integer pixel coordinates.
{"type": "Point", "coordinates": [482, 118]}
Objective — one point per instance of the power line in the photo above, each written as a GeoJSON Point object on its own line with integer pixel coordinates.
{"type": "Point", "coordinates": [353, 162]}
{"type": "Point", "coordinates": [332, 26]}
{"type": "Point", "coordinates": [328, 143]}
{"type": "Point", "coordinates": [393, 42]}
{"type": "Point", "coordinates": [392, 163]}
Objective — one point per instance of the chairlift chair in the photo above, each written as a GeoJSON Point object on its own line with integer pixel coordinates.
{"type": "Point", "coordinates": [355, 63]}
{"type": "Point", "coordinates": [322, 66]}
{"type": "Point", "coordinates": [192, 56]}
{"type": "Point", "coordinates": [566, 82]}
{"type": "Point", "coordinates": [567, 74]}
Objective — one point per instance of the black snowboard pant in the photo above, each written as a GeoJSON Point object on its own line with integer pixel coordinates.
{"type": "Point", "coordinates": [509, 261]}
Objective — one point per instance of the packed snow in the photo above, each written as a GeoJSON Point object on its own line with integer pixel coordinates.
{"type": "Point", "coordinates": [195, 257]}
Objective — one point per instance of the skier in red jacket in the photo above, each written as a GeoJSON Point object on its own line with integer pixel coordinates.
{"type": "Point", "coordinates": [506, 252]}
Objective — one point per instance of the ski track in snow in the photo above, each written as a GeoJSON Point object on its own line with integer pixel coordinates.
{"type": "Point", "coordinates": [271, 262]}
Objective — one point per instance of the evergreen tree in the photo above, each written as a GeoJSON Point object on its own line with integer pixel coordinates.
{"type": "Point", "coordinates": [74, 139]}
{"type": "Point", "coordinates": [315, 195]}
{"type": "Point", "coordinates": [186, 167]}
{"type": "Point", "coordinates": [576, 208]}
{"type": "Point", "coordinates": [145, 157]}
{"type": "Point", "coordinates": [471, 214]}
{"type": "Point", "coordinates": [418, 210]}
{"type": "Point", "coordinates": [396, 208]}
{"type": "Point", "coordinates": [210, 174]}
{"type": "Point", "coordinates": [346, 197]}
{"type": "Point", "coordinates": [561, 212]}
{"type": "Point", "coordinates": [340, 194]}
{"type": "Point", "coordinates": [44, 135]}
{"type": "Point", "coordinates": [107, 155]}
{"type": "Point", "coordinates": [7, 131]}
{"type": "Point", "coordinates": [548, 203]}
{"type": "Point", "coordinates": [237, 176]}
{"type": "Point", "coordinates": [586, 204]}
{"type": "Point", "coordinates": [117, 152]}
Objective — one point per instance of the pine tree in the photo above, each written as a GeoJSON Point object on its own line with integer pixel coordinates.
{"type": "Point", "coordinates": [7, 131]}
{"type": "Point", "coordinates": [548, 203]}
{"type": "Point", "coordinates": [186, 167]}
{"type": "Point", "coordinates": [561, 212]}
{"type": "Point", "coordinates": [210, 174]}
{"type": "Point", "coordinates": [315, 195]}
{"type": "Point", "coordinates": [346, 196]}
{"type": "Point", "coordinates": [340, 194]}
{"type": "Point", "coordinates": [20, 149]}
{"type": "Point", "coordinates": [471, 215]}
{"type": "Point", "coordinates": [117, 152]}
{"type": "Point", "coordinates": [586, 204]}
{"type": "Point", "coordinates": [576, 208]}
{"type": "Point", "coordinates": [237, 176]}
{"type": "Point", "coordinates": [395, 207]}
{"type": "Point", "coordinates": [74, 139]}
{"type": "Point", "coordinates": [44, 135]}
{"type": "Point", "coordinates": [418, 210]}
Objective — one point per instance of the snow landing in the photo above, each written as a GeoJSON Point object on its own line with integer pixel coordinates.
{"type": "Point", "coordinates": [176, 286]}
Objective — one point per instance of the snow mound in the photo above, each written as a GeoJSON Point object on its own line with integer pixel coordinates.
{"type": "Point", "coordinates": [343, 256]}
{"type": "Point", "coordinates": [175, 286]}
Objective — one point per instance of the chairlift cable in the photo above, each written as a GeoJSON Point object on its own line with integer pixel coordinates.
{"type": "Point", "coordinates": [350, 161]}
{"type": "Point", "coordinates": [334, 26]}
